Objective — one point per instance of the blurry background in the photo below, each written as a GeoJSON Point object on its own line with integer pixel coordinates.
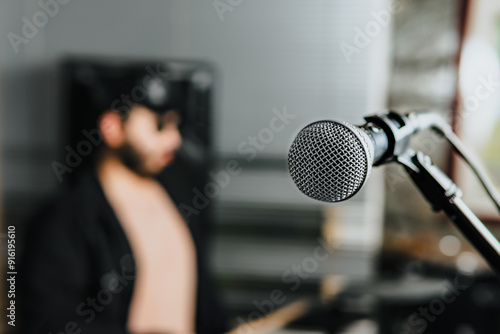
{"type": "Point", "coordinates": [310, 60]}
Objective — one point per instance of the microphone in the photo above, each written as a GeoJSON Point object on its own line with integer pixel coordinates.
{"type": "Point", "coordinates": [330, 160]}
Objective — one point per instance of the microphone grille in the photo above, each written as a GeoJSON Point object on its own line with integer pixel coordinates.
{"type": "Point", "coordinates": [330, 161]}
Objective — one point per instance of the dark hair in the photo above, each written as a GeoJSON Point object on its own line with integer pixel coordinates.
{"type": "Point", "coordinates": [121, 87]}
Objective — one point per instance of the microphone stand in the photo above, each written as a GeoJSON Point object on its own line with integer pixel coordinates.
{"type": "Point", "coordinates": [436, 186]}
{"type": "Point", "coordinates": [443, 194]}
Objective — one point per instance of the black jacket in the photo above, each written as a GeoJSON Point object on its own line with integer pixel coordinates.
{"type": "Point", "coordinates": [78, 268]}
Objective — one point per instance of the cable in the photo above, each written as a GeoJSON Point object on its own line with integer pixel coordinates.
{"type": "Point", "coordinates": [442, 128]}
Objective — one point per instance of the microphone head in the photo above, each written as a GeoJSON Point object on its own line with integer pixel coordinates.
{"type": "Point", "coordinates": [330, 160]}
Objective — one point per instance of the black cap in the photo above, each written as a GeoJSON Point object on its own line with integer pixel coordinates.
{"type": "Point", "coordinates": [121, 87]}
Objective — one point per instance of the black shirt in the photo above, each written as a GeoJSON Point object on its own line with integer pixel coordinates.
{"type": "Point", "coordinates": [78, 270]}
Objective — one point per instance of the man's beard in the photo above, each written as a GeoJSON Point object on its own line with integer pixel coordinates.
{"type": "Point", "coordinates": [133, 159]}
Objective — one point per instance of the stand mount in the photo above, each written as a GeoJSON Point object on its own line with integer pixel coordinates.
{"type": "Point", "coordinates": [443, 194]}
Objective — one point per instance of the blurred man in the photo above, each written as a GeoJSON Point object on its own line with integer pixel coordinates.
{"type": "Point", "coordinates": [113, 254]}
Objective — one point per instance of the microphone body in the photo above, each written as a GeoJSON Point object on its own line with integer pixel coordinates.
{"type": "Point", "coordinates": [331, 160]}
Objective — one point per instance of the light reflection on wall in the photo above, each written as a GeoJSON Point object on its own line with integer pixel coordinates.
{"type": "Point", "coordinates": [479, 89]}
{"type": "Point", "coordinates": [479, 114]}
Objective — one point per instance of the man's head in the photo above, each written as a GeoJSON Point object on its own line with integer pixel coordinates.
{"type": "Point", "coordinates": [139, 118]}
{"type": "Point", "coordinates": [145, 141]}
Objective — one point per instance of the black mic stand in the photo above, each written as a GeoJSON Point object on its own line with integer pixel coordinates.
{"type": "Point", "coordinates": [443, 194]}
{"type": "Point", "coordinates": [436, 186]}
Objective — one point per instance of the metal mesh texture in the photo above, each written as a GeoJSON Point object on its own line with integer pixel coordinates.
{"type": "Point", "coordinates": [329, 161]}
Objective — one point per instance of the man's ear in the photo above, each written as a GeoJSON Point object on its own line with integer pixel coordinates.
{"type": "Point", "coordinates": [111, 126]}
